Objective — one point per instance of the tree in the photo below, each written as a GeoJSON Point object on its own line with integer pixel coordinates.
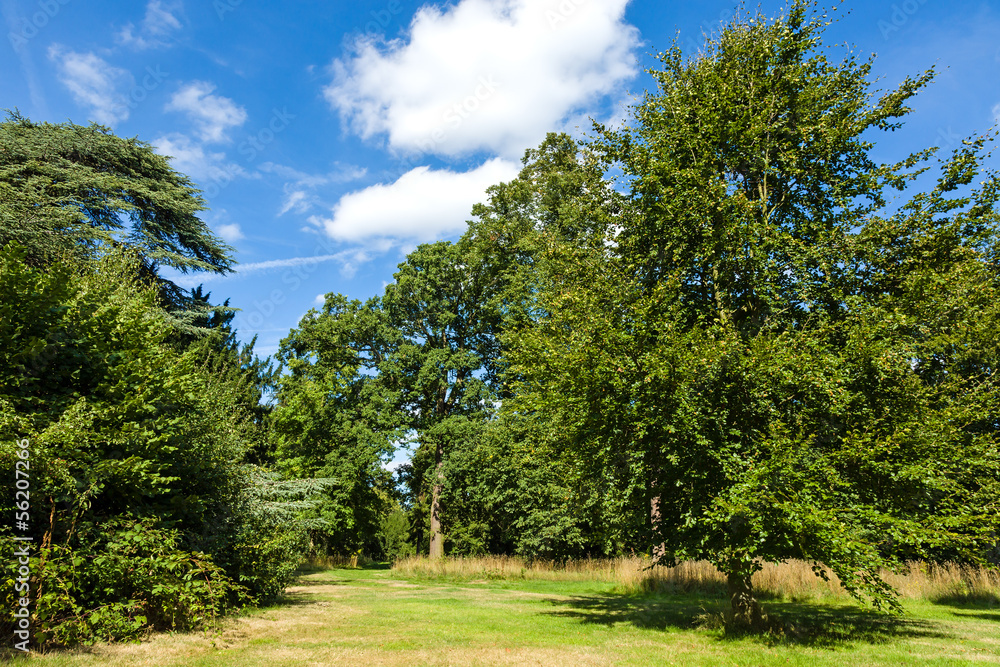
{"type": "Point", "coordinates": [334, 418]}
{"type": "Point", "coordinates": [411, 364]}
{"type": "Point", "coordinates": [439, 305]}
{"type": "Point", "coordinates": [773, 357]}
{"type": "Point", "coordinates": [135, 458]}
{"type": "Point", "coordinates": [535, 497]}
{"type": "Point", "coordinates": [69, 189]}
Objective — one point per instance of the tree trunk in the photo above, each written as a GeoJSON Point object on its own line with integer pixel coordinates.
{"type": "Point", "coordinates": [436, 549]}
{"type": "Point", "coordinates": [654, 520]}
{"type": "Point", "coordinates": [746, 611]}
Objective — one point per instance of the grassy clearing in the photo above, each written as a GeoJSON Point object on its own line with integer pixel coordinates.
{"type": "Point", "coordinates": [462, 613]}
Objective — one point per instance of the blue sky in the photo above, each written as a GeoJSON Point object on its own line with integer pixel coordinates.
{"type": "Point", "coordinates": [331, 138]}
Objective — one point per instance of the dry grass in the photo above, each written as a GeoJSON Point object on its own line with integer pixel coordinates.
{"type": "Point", "coordinates": [314, 563]}
{"type": "Point", "coordinates": [791, 580]}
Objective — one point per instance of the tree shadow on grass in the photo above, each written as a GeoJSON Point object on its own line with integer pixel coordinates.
{"type": "Point", "coordinates": [818, 625]}
{"type": "Point", "coordinates": [292, 599]}
{"type": "Point", "coordinates": [986, 615]}
{"type": "Point", "coordinates": [976, 601]}
{"type": "Point", "coordinates": [323, 581]}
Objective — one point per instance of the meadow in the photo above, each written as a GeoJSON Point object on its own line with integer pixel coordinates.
{"type": "Point", "coordinates": [505, 611]}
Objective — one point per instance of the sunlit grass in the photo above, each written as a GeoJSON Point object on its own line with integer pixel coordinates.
{"type": "Point", "coordinates": [502, 611]}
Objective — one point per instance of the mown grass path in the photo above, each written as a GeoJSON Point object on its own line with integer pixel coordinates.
{"type": "Point", "coordinates": [374, 617]}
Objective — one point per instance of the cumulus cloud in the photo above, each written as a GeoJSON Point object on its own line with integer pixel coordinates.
{"type": "Point", "coordinates": [94, 83]}
{"type": "Point", "coordinates": [160, 20]}
{"type": "Point", "coordinates": [422, 205]}
{"type": "Point", "coordinates": [211, 114]}
{"type": "Point", "coordinates": [485, 74]}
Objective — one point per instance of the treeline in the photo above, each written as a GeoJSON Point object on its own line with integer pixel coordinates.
{"type": "Point", "coordinates": [722, 332]}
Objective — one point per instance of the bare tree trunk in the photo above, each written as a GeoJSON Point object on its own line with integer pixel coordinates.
{"type": "Point", "coordinates": [437, 538]}
{"type": "Point", "coordinates": [746, 611]}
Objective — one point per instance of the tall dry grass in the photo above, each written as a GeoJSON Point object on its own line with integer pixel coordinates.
{"type": "Point", "coordinates": [791, 580]}
{"type": "Point", "coordinates": [333, 562]}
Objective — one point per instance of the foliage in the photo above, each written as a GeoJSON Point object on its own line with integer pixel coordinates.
{"type": "Point", "coordinates": [332, 420]}
{"type": "Point", "coordinates": [68, 189]}
{"type": "Point", "coordinates": [119, 579]}
{"type": "Point", "coordinates": [365, 376]}
{"type": "Point", "coordinates": [394, 536]}
{"type": "Point", "coordinates": [768, 361]}
{"type": "Point", "coordinates": [123, 427]}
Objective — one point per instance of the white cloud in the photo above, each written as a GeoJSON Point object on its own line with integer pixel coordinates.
{"type": "Point", "coordinates": [190, 158]}
{"type": "Point", "coordinates": [230, 232]}
{"type": "Point", "coordinates": [212, 115]}
{"type": "Point", "coordinates": [295, 200]}
{"type": "Point", "coordinates": [485, 74]}
{"type": "Point", "coordinates": [320, 299]}
{"type": "Point", "coordinates": [94, 83]}
{"type": "Point", "coordinates": [422, 205]}
{"type": "Point", "coordinates": [996, 112]}
{"type": "Point", "coordinates": [159, 22]}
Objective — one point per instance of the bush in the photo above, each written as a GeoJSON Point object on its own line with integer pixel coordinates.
{"type": "Point", "coordinates": [118, 579]}
{"type": "Point", "coordinates": [394, 536]}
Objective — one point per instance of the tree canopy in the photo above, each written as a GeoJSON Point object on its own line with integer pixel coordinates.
{"type": "Point", "coordinates": [762, 361]}
{"type": "Point", "coordinates": [71, 190]}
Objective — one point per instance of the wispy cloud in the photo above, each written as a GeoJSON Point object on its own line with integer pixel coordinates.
{"type": "Point", "coordinates": [157, 25]}
{"type": "Point", "coordinates": [273, 264]}
{"type": "Point", "coordinates": [300, 195]}
{"type": "Point", "coordinates": [190, 157]}
{"type": "Point", "coordinates": [230, 232]}
{"type": "Point", "coordinates": [94, 83]}
{"type": "Point", "coordinates": [212, 115]}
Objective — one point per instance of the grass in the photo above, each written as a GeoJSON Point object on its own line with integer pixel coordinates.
{"type": "Point", "coordinates": [792, 580]}
{"type": "Point", "coordinates": [508, 612]}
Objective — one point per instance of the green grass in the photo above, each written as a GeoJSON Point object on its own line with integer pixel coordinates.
{"type": "Point", "coordinates": [379, 617]}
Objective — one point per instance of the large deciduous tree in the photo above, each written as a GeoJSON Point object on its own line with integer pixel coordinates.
{"type": "Point", "coordinates": [776, 356]}
{"type": "Point", "coordinates": [440, 306]}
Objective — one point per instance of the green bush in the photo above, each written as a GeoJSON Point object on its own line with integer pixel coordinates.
{"type": "Point", "coordinates": [394, 536]}
{"type": "Point", "coordinates": [115, 581]}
